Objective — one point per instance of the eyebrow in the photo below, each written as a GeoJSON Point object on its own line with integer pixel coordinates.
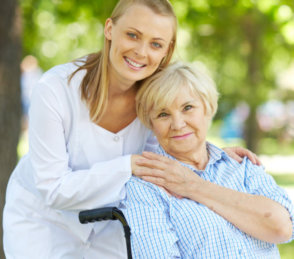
{"type": "Point", "coordinates": [163, 109]}
{"type": "Point", "coordinates": [188, 102]}
{"type": "Point", "coordinates": [142, 33]}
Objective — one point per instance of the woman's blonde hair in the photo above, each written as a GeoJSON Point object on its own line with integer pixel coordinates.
{"type": "Point", "coordinates": [161, 89]}
{"type": "Point", "coordinates": [94, 87]}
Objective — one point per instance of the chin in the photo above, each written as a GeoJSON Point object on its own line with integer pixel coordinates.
{"type": "Point", "coordinates": [179, 152]}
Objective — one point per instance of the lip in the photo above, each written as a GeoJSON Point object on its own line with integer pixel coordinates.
{"type": "Point", "coordinates": [184, 136]}
{"type": "Point", "coordinates": [133, 67]}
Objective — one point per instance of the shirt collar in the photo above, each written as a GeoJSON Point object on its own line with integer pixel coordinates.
{"type": "Point", "coordinates": [215, 154]}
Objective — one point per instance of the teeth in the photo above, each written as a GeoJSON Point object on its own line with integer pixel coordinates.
{"type": "Point", "coordinates": [133, 63]}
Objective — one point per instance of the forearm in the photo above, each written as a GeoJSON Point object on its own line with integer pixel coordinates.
{"type": "Point", "coordinates": [255, 215]}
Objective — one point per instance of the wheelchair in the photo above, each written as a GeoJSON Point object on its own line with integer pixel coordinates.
{"type": "Point", "coordinates": [108, 213]}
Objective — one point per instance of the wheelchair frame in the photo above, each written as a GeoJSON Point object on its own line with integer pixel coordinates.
{"type": "Point", "coordinates": [108, 213]}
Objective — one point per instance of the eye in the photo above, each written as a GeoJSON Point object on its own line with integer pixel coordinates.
{"type": "Point", "coordinates": [162, 114]}
{"type": "Point", "coordinates": [132, 35]}
{"type": "Point", "coordinates": [156, 45]}
{"type": "Point", "coordinates": [188, 107]}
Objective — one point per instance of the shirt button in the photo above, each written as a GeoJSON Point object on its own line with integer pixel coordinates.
{"type": "Point", "coordinates": [87, 245]}
{"type": "Point", "coordinates": [116, 138]}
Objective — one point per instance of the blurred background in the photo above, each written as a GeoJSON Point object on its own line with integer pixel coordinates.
{"type": "Point", "coordinates": [246, 45]}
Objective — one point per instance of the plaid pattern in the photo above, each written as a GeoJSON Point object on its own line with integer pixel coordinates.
{"type": "Point", "coordinates": [166, 227]}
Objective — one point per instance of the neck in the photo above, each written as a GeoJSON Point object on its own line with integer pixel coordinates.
{"type": "Point", "coordinates": [118, 86]}
{"type": "Point", "coordinates": [199, 158]}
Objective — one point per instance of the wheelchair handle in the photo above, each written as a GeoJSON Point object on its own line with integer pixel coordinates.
{"type": "Point", "coordinates": [89, 216]}
{"type": "Point", "coordinates": [108, 213]}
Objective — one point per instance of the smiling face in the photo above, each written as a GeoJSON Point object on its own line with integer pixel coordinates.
{"type": "Point", "coordinates": [181, 127]}
{"type": "Point", "coordinates": [140, 39]}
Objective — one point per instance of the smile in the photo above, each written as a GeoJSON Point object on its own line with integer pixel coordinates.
{"type": "Point", "coordinates": [182, 136]}
{"type": "Point", "coordinates": [133, 63]}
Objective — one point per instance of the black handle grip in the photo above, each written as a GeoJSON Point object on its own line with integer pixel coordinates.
{"type": "Point", "coordinates": [108, 213]}
{"type": "Point", "coordinates": [97, 215]}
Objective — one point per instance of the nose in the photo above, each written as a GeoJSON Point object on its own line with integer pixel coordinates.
{"type": "Point", "coordinates": [178, 122]}
{"type": "Point", "coordinates": [141, 49]}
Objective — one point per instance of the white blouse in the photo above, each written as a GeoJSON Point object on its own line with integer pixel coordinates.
{"type": "Point", "coordinates": [72, 163]}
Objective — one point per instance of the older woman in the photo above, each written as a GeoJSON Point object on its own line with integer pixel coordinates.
{"type": "Point", "coordinates": [218, 207]}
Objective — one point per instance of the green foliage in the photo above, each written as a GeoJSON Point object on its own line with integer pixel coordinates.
{"type": "Point", "coordinates": [284, 179]}
{"type": "Point", "coordinates": [287, 250]}
{"type": "Point", "coordinates": [58, 31]}
{"type": "Point", "coordinates": [245, 43]}
{"type": "Point", "coordinates": [272, 146]}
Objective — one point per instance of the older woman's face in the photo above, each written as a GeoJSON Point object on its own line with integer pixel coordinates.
{"type": "Point", "coordinates": [182, 126]}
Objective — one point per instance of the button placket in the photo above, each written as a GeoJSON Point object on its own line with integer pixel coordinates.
{"type": "Point", "coordinates": [116, 138]}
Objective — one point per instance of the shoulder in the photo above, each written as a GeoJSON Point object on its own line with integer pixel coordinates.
{"type": "Point", "coordinates": [55, 92]}
{"type": "Point", "coordinates": [143, 191]}
{"type": "Point", "coordinates": [56, 81]}
{"type": "Point", "coordinates": [219, 156]}
{"type": "Point", "coordinates": [59, 73]}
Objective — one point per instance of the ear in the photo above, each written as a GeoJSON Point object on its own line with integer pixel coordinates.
{"type": "Point", "coordinates": [108, 29]}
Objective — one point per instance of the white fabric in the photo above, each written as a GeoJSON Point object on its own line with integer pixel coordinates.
{"type": "Point", "coordinates": [72, 165]}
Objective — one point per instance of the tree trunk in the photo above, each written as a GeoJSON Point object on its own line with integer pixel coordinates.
{"type": "Point", "coordinates": [10, 108]}
{"type": "Point", "coordinates": [252, 131]}
{"type": "Point", "coordinates": [252, 31]}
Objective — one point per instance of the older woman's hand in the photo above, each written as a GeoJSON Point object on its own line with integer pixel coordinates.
{"type": "Point", "coordinates": [164, 172]}
{"type": "Point", "coordinates": [238, 153]}
{"type": "Point", "coordinates": [256, 215]}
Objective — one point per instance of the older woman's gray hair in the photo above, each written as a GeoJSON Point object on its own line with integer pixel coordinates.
{"type": "Point", "coordinates": [162, 89]}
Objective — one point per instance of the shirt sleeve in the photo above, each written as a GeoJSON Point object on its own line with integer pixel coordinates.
{"type": "Point", "coordinates": [258, 182]}
{"type": "Point", "coordinates": [60, 186]}
{"type": "Point", "coordinates": [146, 209]}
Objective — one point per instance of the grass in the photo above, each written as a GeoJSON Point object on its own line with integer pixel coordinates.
{"type": "Point", "coordinates": [287, 250]}
{"type": "Point", "coordinates": [285, 180]}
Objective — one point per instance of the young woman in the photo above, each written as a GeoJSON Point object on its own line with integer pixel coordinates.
{"type": "Point", "coordinates": [83, 131]}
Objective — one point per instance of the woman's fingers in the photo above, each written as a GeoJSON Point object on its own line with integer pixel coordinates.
{"type": "Point", "coordinates": [145, 171]}
{"type": "Point", "coordinates": [155, 180]}
{"type": "Point", "coordinates": [155, 164]}
{"type": "Point", "coordinates": [238, 153]}
{"type": "Point", "coordinates": [252, 157]}
{"type": "Point", "coordinates": [153, 156]}
{"type": "Point", "coordinates": [164, 172]}
{"type": "Point", "coordinates": [258, 162]}
{"type": "Point", "coordinates": [153, 160]}
{"type": "Point", "coordinates": [233, 154]}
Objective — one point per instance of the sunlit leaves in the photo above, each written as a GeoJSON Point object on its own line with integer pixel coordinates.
{"type": "Point", "coordinates": [266, 5]}
{"type": "Point", "coordinates": [62, 30]}
{"type": "Point", "coordinates": [226, 35]}
{"type": "Point", "coordinates": [288, 32]}
{"type": "Point", "coordinates": [284, 13]}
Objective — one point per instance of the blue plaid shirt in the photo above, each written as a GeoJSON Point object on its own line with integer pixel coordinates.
{"type": "Point", "coordinates": [164, 227]}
